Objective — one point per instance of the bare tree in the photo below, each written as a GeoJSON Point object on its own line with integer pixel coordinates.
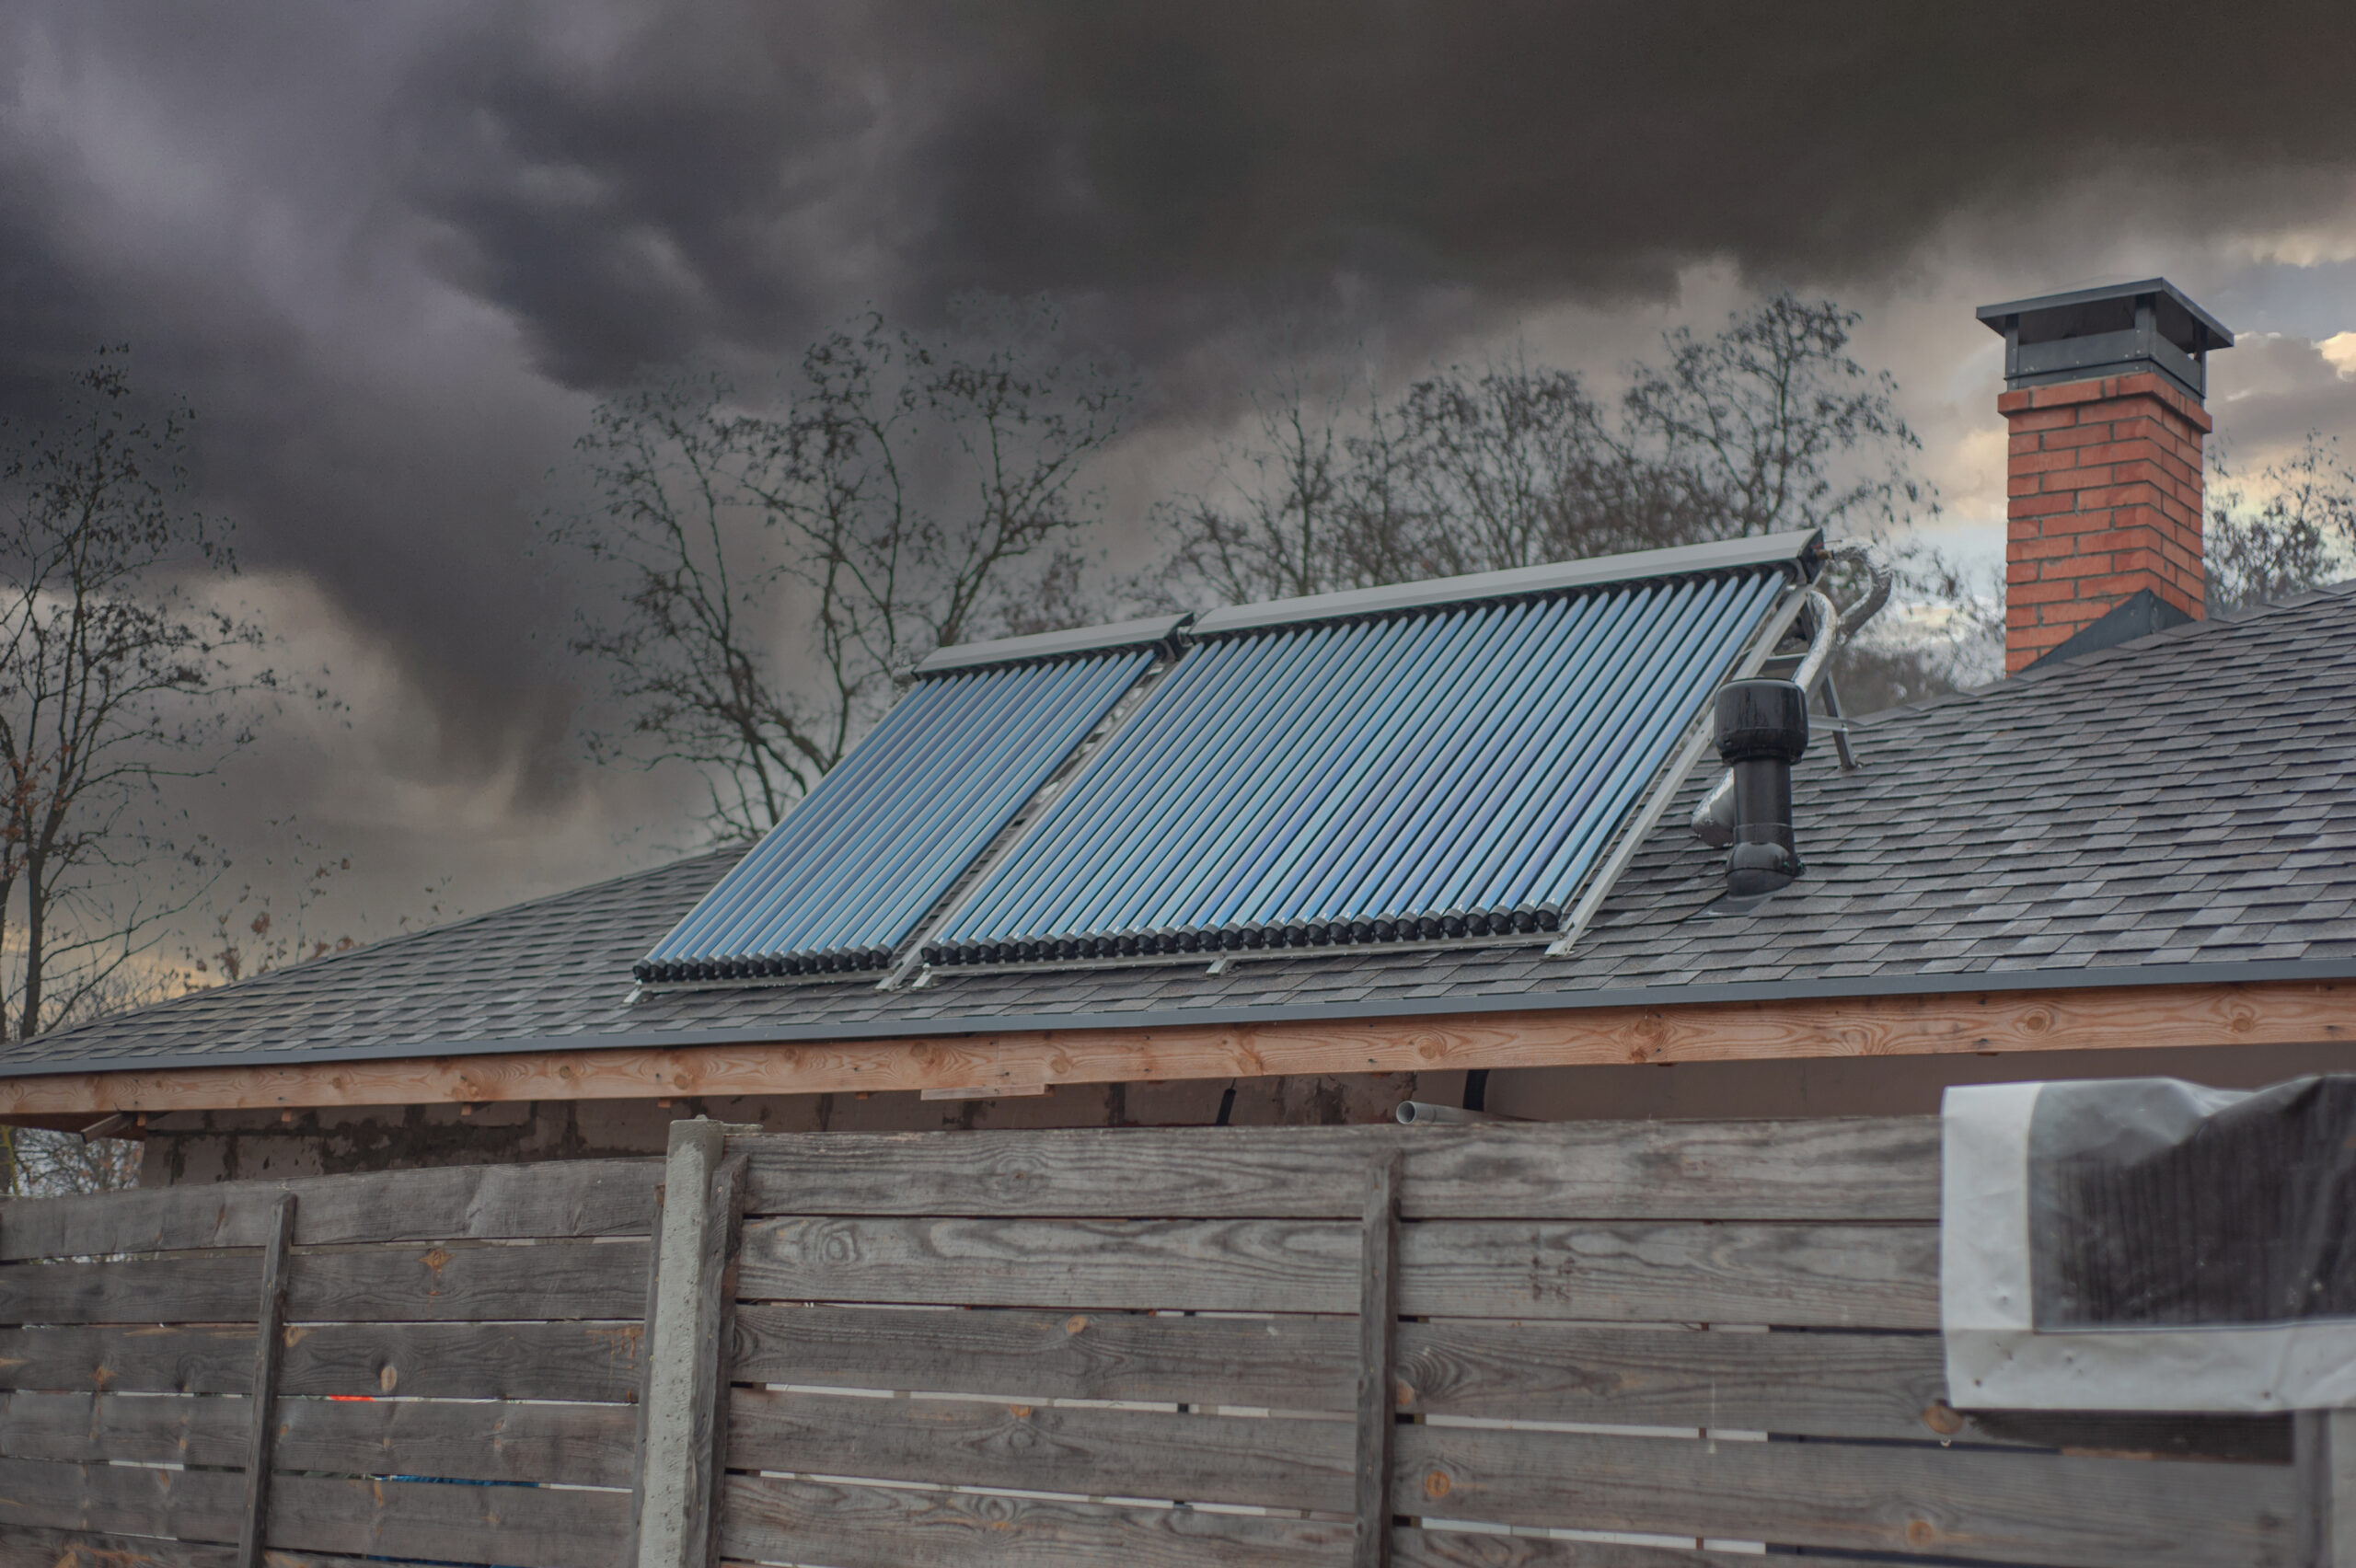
{"type": "Point", "coordinates": [1768, 425]}
{"type": "Point", "coordinates": [1287, 511]}
{"type": "Point", "coordinates": [2293, 528]}
{"type": "Point", "coordinates": [37, 1163]}
{"type": "Point", "coordinates": [1771, 425]}
{"type": "Point", "coordinates": [116, 677]}
{"type": "Point", "coordinates": [782, 566]}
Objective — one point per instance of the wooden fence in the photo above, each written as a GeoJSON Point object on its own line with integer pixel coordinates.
{"type": "Point", "coordinates": [468, 1325]}
{"type": "Point", "coordinates": [1615, 1346]}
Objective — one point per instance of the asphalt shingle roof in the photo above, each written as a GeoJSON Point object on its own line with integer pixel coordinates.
{"type": "Point", "coordinates": [2182, 806]}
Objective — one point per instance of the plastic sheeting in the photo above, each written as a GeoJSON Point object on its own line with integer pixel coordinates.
{"type": "Point", "coordinates": [2150, 1245]}
{"type": "Point", "coordinates": [853, 869]}
{"type": "Point", "coordinates": [1439, 772]}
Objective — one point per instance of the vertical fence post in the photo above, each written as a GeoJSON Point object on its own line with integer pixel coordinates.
{"type": "Point", "coordinates": [646, 1369]}
{"type": "Point", "coordinates": [270, 1337]}
{"type": "Point", "coordinates": [1378, 1341]}
{"type": "Point", "coordinates": [2325, 1456]}
{"type": "Point", "coordinates": [681, 1456]}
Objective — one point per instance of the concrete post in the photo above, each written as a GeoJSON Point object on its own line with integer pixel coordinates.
{"type": "Point", "coordinates": [701, 1201]}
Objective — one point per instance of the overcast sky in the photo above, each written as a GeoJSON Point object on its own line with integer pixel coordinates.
{"type": "Point", "coordinates": [394, 253]}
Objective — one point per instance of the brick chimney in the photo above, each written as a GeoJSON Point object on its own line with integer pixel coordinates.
{"type": "Point", "coordinates": [2103, 392]}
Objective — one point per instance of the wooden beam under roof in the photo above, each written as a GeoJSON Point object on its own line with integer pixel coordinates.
{"type": "Point", "coordinates": [2255, 1013]}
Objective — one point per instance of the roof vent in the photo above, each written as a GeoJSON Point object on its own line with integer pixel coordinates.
{"type": "Point", "coordinates": [1761, 730]}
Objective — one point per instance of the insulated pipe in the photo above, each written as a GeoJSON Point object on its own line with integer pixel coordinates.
{"type": "Point", "coordinates": [1424, 1114]}
{"type": "Point", "coordinates": [1713, 816]}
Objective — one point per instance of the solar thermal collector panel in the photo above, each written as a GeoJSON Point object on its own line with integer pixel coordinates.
{"type": "Point", "coordinates": [1424, 761]}
{"type": "Point", "coordinates": [1426, 773]}
{"type": "Point", "coordinates": [847, 876]}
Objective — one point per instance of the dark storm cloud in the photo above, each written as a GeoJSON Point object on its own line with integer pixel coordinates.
{"type": "Point", "coordinates": [391, 252]}
{"type": "Point", "coordinates": [721, 173]}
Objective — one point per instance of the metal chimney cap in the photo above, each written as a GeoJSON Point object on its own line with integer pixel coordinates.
{"type": "Point", "coordinates": [2048, 316]}
{"type": "Point", "coordinates": [2121, 329]}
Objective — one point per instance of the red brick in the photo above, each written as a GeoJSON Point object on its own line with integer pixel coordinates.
{"type": "Point", "coordinates": [2120, 497]}
{"type": "Point", "coordinates": [2146, 560]}
{"type": "Point", "coordinates": [2041, 593]}
{"type": "Point", "coordinates": [2042, 419]}
{"type": "Point", "coordinates": [2148, 384]}
{"type": "Point", "coordinates": [2143, 452]}
{"type": "Point", "coordinates": [2091, 476]}
{"type": "Point", "coordinates": [2076, 435]}
{"type": "Point", "coordinates": [2045, 548]}
{"type": "Point", "coordinates": [2012, 402]}
{"type": "Point", "coordinates": [2117, 586]}
{"type": "Point", "coordinates": [2121, 539]}
{"type": "Point", "coordinates": [2040, 505]}
{"type": "Point", "coordinates": [2096, 564]}
{"type": "Point", "coordinates": [2146, 513]}
{"type": "Point", "coordinates": [2075, 526]}
{"type": "Point", "coordinates": [2068, 393]}
{"type": "Point", "coordinates": [2041, 462]}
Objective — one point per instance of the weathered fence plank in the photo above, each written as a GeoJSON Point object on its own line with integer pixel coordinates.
{"type": "Point", "coordinates": [27, 1546]}
{"type": "Point", "coordinates": [472, 1439]}
{"type": "Point", "coordinates": [1816, 1384]}
{"type": "Point", "coordinates": [595, 1362]}
{"type": "Point", "coordinates": [522, 1526]}
{"type": "Point", "coordinates": [715, 1330]}
{"type": "Point", "coordinates": [142, 1360]}
{"type": "Point", "coordinates": [1464, 1548]}
{"type": "Point", "coordinates": [408, 1284]}
{"type": "Point", "coordinates": [1991, 1504]}
{"type": "Point", "coordinates": [1804, 1275]}
{"type": "Point", "coordinates": [2326, 1478]}
{"type": "Point", "coordinates": [1835, 1276]}
{"type": "Point", "coordinates": [270, 1337]}
{"type": "Point", "coordinates": [1377, 1345]}
{"type": "Point", "coordinates": [1867, 1169]}
{"type": "Point", "coordinates": [465, 1439]}
{"type": "Point", "coordinates": [1282, 1363]}
{"type": "Point", "coordinates": [874, 1526]}
{"type": "Point", "coordinates": [1186, 1457]}
{"type": "Point", "coordinates": [199, 1505]}
{"type": "Point", "coordinates": [186, 1290]}
{"type": "Point", "coordinates": [91, 1428]}
{"type": "Point", "coordinates": [552, 1200]}
{"type": "Point", "coordinates": [1209, 1266]}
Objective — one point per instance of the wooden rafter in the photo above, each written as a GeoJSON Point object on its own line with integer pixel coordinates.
{"type": "Point", "coordinates": [2275, 1012]}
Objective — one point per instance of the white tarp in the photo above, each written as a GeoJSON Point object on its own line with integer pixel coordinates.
{"type": "Point", "coordinates": [2146, 1244]}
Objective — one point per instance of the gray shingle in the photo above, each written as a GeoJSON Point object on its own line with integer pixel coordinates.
{"type": "Point", "coordinates": [2182, 800]}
